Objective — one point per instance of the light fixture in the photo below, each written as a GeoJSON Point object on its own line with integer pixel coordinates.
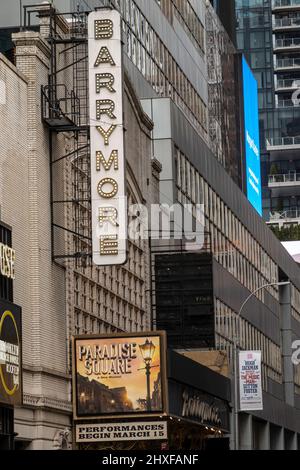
{"type": "Point", "coordinates": [147, 350]}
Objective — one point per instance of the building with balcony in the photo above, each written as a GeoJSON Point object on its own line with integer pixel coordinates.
{"type": "Point", "coordinates": [268, 33]}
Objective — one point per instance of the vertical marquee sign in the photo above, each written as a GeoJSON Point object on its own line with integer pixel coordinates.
{"type": "Point", "coordinates": [107, 138]}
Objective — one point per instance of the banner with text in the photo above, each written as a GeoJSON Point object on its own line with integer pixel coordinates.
{"type": "Point", "coordinates": [136, 431]}
{"type": "Point", "coordinates": [250, 380]}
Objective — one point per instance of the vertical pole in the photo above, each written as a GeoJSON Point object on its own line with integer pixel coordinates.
{"type": "Point", "coordinates": [236, 381]}
{"type": "Point", "coordinates": [21, 26]}
{"type": "Point", "coordinates": [237, 337]}
{"type": "Point", "coordinates": [148, 387]}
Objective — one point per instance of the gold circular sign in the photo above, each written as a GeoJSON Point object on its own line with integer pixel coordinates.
{"type": "Point", "coordinates": [6, 314]}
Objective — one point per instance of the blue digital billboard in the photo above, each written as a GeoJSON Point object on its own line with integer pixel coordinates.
{"type": "Point", "coordinates": [251, 124]}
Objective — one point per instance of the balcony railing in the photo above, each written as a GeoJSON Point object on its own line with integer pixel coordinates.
{"type": "Point", "coordinates": [288, 214]}
{"type": "Point", "coordinates": [288, 83]}
{"type": "Point", "coordinates": [284, 178]}
{"type": "Point", "coordinates": [282, 141]}
{"type": "Point", "coordinates": [286, 22]}
{"type": "Point", "coordinates": [291, 42]}
{"type": "Point", "coordinates": [288, 104]}
{"type": "Point", "coordinates": [287, 63]}
{"type": "Point", "coordinates": [285, 3]}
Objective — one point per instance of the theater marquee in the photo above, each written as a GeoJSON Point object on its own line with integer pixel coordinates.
{"type": "Point", "coordinates": [109, 218]}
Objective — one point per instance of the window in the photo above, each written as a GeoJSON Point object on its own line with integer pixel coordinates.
{"type": "Point", "coordinates": [258, 60]}
{"type": "Point", "coordinates": [257, 39]}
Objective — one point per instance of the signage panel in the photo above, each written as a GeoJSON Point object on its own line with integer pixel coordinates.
{"type": "Point", "coordinates": [137, 431]}
{"type": "Point", "coordinates": [250, 380]}
{"type": "Point", "coordinates": [198, 406]}
{"type": "Point", "coordinates": [252, 146]}
{"type": "Point", "coordinates": [119, 375]}
{"type": "Point", "coordinates": [10, 354]}
{"type": "Point", "coordinates": [108, 194]}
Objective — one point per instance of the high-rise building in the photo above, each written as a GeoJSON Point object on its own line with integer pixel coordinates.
{"type": "Point", "coordinates": [268, 35]}
{"type": "Point", "coordinates": [226, 12]}
{"type": "Point", "coordinates": [182, 146]}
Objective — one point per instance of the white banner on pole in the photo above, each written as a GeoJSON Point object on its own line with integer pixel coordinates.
{"type": "Point", "coordinates": [250, 381]}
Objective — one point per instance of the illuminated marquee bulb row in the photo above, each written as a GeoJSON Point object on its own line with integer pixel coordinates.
{"type": "Point", "coordinates": [108, 214]}
{"type": "Point", "coordinates": [106, 134]}
{"type": "Point", "coordinates": [108, 110]}
{"type": "Point", "coordinates": [108, 83]}
{"type": "Point", "coordinates": [109, 245]}
{"type": "Point", "coordinates": [104, 29]}
{"type": "Point", "coordinates": [107, 181]}
{"type": "Point", "coordinates": [107, 138]}
{"type": "Point", "coordinates": [114, 158]}
{"type": "Point", "coordinates": [104, 57]}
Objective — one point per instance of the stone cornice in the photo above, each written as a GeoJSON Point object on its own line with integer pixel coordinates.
{"type": "Point", "coordinates": [143, 118]}
{"type": "Point", "coordinates": [46, 371]}
{"type": "Point", "coordinates": [156, 165]}
{"type": "Point", "coordinates": [40, 401]}
{"type": "Point", "coordinates": [31, 43]}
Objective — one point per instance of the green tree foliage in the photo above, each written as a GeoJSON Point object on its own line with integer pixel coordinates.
{"type": "Point", "coordinates": [286, 234]}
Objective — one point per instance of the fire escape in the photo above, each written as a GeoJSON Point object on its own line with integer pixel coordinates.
{"type": "Point", "coordinates": [65, 111]}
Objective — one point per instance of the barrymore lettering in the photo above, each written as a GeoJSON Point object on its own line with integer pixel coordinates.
{"type": "Point", "coordinates": [107, 138]}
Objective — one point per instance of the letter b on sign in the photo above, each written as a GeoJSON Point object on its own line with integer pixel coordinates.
{"type": "Point", "coordinates": [104, 29]}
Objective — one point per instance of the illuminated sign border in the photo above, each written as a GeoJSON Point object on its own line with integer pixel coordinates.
{"type": "Point", "coordinates": [108, 193]}
{"type": "Point", "coordinates": [133, 414]}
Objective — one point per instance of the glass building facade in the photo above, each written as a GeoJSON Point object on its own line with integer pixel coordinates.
{"type": "Point", "coordinates": [269, 36]}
